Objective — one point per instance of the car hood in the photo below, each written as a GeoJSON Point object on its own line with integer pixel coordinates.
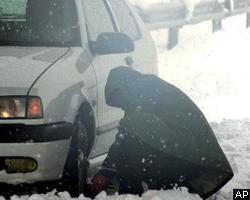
{"type": "Point", "coordinates": [21, 66]}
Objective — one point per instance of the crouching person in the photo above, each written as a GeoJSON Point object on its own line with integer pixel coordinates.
{"type": "Point", "coordinates": [163, 141]}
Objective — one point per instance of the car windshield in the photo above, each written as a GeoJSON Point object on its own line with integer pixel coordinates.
{"type": "Point", "coordinates": [38, 23]}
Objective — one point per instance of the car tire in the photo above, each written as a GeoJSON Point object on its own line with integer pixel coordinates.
{"type": "Point", "coordinates": [75, 171]}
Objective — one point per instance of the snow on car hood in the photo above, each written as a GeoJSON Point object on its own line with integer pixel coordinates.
{"type": "Point", "coordinates": [21, 66]}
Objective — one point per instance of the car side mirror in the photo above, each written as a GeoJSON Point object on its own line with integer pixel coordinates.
{"type": "Point", "coordinates": [112, 43]}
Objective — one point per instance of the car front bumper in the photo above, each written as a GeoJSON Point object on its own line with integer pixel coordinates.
{"type": "Point", "coordinates": [48, 145]}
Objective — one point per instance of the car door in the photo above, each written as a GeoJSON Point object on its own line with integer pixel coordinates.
{"type": "Point", "coordinates": [98, 20]}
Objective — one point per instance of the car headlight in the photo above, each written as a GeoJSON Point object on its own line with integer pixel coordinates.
{"type": "Point", "coordinates": [20, 107]}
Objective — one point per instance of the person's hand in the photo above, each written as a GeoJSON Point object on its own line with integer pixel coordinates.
{"type": "Point", "coordinates": [99, 183]}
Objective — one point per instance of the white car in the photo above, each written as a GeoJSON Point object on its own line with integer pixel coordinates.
{"type": "Point", "coordinates": [55, 56]}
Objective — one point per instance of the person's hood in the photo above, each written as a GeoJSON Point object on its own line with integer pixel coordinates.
{"type": "Point", "coordinates": [20, 67]}
{"type": "Point", "coordinates": [120, 78]}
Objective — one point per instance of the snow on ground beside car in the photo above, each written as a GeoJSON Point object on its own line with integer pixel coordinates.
{"type": "Point", "coordinates": [150, 195]}
{"type": "Point", "coordinates": [213, 69]}
{"type": "Point", "coordinates": [234, 138]}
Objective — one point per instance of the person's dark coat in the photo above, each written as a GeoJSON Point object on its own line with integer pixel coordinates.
{"type": "Point", "coordinates": [163, 131]}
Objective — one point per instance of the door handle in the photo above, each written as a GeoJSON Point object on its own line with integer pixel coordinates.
{"type": "Point", "coordinates": [129, 61]}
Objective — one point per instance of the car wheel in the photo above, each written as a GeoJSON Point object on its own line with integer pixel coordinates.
{"type": "Point", "coordinates": [75, 172]}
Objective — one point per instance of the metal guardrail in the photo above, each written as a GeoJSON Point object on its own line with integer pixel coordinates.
{"type": "Point", "coordinates": [176, 14]}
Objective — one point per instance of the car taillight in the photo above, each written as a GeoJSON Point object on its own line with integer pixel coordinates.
{"type": "Point", "coordinates": [34, 108]}
{"type": "Point", "coordinates": [20, 107]}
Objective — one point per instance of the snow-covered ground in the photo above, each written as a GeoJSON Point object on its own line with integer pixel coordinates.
{"type": "Point", "coordinates": [151, 195]}
{"type": "Point", "coordinates": [213, 69]}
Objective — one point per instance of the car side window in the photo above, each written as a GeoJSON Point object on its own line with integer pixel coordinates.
{"type": "Point", "coordinates": [98, 18]}
{"type": "Point", "coordinates": [125, 18]}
